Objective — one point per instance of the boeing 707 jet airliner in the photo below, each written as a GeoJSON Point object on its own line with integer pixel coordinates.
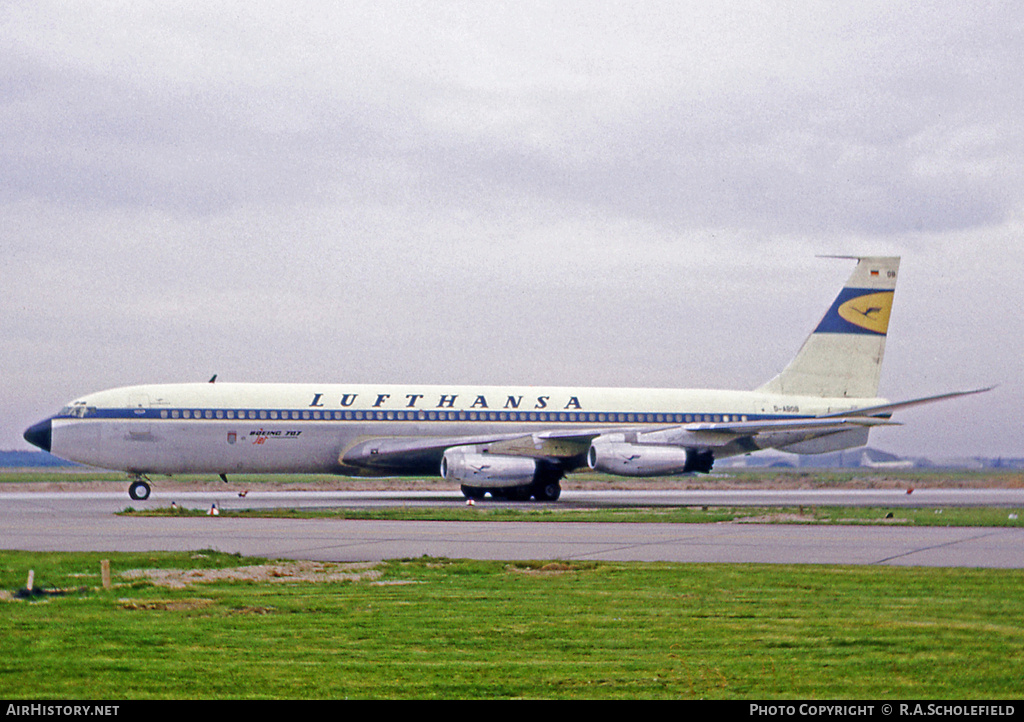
{"type": "Point", "coordinates": [515, 442]}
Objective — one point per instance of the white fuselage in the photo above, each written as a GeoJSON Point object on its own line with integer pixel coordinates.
{"type": "Point", "coordinates": [309, 428]}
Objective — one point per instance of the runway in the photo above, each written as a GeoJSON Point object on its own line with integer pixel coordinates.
{"type": "Point", "coordinates": [86, 521]}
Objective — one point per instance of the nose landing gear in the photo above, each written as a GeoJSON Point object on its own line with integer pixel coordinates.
{"type": "Point", "coordinates": [139, 488]}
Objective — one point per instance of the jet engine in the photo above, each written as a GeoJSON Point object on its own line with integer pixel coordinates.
{"type": "Point", "coordinates": [626, 459]}
{"type": "Point", "coordinates": [512, 477]}
{"type": "Point", "coordinates": [487, 470]}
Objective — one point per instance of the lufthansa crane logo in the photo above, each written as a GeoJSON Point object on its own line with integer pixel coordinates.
{"type": "Point", "coordinates": [870, 312]}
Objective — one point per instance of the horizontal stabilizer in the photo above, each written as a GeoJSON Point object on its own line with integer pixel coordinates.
{"type": "Point", "coordinates": [886, 409]}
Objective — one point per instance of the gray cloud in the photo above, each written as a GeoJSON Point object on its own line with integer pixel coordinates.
{"type": "Point", "coordinates": [602, 193]}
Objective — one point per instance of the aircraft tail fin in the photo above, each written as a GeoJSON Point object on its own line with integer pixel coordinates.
{"type": "Point", "coordinates": [843, 355]}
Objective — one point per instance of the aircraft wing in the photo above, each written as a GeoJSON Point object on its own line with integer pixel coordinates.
{"type": "Point", "coordinates": [817, 423]}
{"type": "Point", "coordinates": [394, 455]}
{"type": "Point", "coordinates": [751, 435]}
{"type": "Point", "coordinates": [388, 455]}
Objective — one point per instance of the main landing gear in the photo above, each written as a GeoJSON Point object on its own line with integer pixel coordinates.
{"type": "Point", "coordinates": [139, 489]}
{"type": "Point", "coordinates": [539, 490]}
{"type": "Point", "coordinates": [546, 491]}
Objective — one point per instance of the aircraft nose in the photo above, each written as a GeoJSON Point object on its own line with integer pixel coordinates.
{"type": "Point", "coordinates": [40, 434]}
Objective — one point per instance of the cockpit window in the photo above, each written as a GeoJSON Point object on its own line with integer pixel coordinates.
{"type": "Point", "coordinates": [79, 411]}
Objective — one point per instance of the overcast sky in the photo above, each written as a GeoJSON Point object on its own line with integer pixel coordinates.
{"type": "Point", "coordinates": [550, 193]}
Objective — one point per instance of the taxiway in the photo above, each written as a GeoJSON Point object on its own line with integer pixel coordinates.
{"type": "Point", "coordinates": [87, 521]}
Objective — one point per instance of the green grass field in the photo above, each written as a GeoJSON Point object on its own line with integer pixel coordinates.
{"type": "Point", "coordinates": [885, 516]}
{"type": "Point", "coordinates": [437, 628]}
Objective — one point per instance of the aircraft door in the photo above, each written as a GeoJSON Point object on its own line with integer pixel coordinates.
{"type": "Point", "coordinates": [139, 424]}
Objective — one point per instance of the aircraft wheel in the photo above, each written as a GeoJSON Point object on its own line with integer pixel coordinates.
{"type": "Point", "coordinates": [547, 491]}
{"type": "Point", "coordinates": [139, 490]}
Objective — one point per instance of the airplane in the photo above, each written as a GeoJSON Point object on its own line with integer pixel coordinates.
{"type": "Point", "coordinates": [512, 442]}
